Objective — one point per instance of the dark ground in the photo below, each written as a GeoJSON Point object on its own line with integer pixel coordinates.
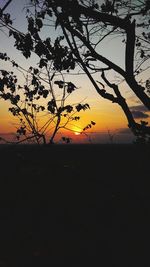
{"type": "Point", "coordinates": [75, 205]}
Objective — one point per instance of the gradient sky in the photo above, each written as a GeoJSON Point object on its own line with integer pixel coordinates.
{"type": "Point", "coordinates": [108, 116]}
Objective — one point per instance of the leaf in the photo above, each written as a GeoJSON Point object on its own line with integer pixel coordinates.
{"type": "Point", "coordinates": [40, 49]}
{"type": "Point", "coordinates": [15, 99]}
{"type": "Point", "coordinates": [45, 93]}
{"type": "Point", "coordinates": [49, 12]}
{"type": "Point", "coordinates": [60, 83]}
{"type": "Point", "coordinates": [14, 111]}
{"type": "Point", "coordinates": [142, 53]}
{"type": "Point", "coordinates": [31, 28]}
{"type": "Point", "coordinates": [51, 106]}
{"type": "Point", "coordinates": [26, 53]}
{"type": "Point", "coordinates": [34, 80]}
{"type": "Point", "coordinates": [68, 108]}
{"type": "Point", "coordinates": [80, 107]}
{"type": "Point", "coordinates": [43, 63]}
{"type": "Point", "coordinates": [76, 118]}
{"type": "Point", "coordinates": [41, 14]}
{"type": "Point", "coordinates": [21, 130]}
{"type": "Point", "coordinates": [36, 71]}
{"type": "Point", "coordinates": [39, 23]}
{"type": "Point", "coordinates": [7, 19]}
{"type": "Point", "coordinates": [70, 88]}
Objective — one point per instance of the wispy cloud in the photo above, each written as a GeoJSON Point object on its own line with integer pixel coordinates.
{"type": "Point", "coordinates": [124, 131]}
{"type": "Point", "coordinates": [141, 108]}
{"type": "Point", "coordinates": [6, 134]}
{"type": "Point", "coordinates": [139, 115]}
{"type": "Point", "coordinates": [139, 112]}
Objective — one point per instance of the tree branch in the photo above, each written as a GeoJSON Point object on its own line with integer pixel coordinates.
{"type": "Point", "coordinates": [135, 127]}
{"type": "Point", "coordinates": [130, 46]}
{"type": "Point", "coordinates": [103, 17]}
{"type": "Point", "coordinates": [93, 52]}
{"type": "Point", "coordinates": [5, 6]}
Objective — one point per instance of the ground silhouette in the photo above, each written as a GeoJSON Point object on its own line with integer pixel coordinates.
{"type": "Point", "coordinates": [74, 205]}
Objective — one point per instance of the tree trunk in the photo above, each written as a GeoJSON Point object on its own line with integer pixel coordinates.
{"type": "Point", "coordinates": [139, 91]}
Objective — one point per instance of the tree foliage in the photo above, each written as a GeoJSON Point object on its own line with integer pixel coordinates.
{"type": "Point", "coordinates": [85, 26]}
{"type": "Point", "coordinates": [37, 98]}
{"type": "Point", "coordinates": [93, 23]}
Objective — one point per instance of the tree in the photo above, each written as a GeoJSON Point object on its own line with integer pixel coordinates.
{"type": "Point", "coordinates": [28, 105]}
{"type": "Point", "coordinates": [85, 25]}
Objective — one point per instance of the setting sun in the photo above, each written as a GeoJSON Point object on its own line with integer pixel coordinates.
{"type": "Point", "coordinates": [77, 130]}
{"type": "Point", "coordinates": [77, 133]}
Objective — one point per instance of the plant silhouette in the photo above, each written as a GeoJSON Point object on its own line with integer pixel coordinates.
{"type": "Point", "coordinates": [26, 102]}
{"type": "Point", "coordinates": [80, 22]}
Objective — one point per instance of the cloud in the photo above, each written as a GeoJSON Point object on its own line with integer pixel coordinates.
{"type": "Point", "coordinates": [7, 137]}
{"type": "Point", "coordinates": [124, 131]}
{"type": "Point", "coordinates": [134, 100]}
{"type": "Point", "coordinates": [139, 114]}
{"type": "Point", "coordinates": [139, 108]}
{"type": "Point", "coordinates": [7, 133]}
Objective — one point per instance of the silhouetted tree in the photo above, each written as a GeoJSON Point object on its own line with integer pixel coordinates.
{"type": "Point", "coordinates": [28, 105]}
{"type": "Point", "coordinates": [85, 24]}
{"type": "Point", "coordinates": [40, 83]}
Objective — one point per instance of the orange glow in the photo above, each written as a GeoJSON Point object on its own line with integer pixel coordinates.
{"type": "Point", "coordinates": [106, 116]}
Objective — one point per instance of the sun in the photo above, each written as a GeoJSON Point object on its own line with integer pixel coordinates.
{"type": "Point", "coordinates": [76, 130]}
{"type": "Point", "coordinates": [77, 133]}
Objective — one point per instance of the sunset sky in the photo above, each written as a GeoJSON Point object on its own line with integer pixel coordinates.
{"type": "Point", "coordinates": [109, 117]}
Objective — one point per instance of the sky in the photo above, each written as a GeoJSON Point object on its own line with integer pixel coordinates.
{"type": "Point", "coordinates": [111, 124]}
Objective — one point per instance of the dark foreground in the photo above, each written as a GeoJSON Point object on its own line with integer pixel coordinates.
{"type": "Point", "coordinates": [75, 206]}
